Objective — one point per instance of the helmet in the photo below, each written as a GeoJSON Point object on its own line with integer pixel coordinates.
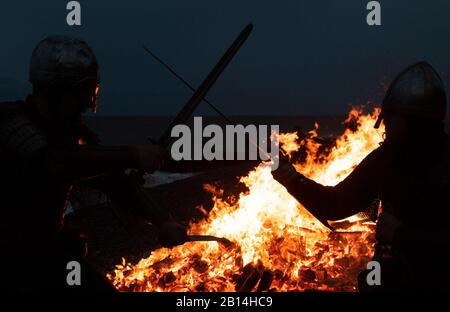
{"type": "Point", "coordinates": [416, 91]}
{"type": "Point", "coordinates": [61, 62]}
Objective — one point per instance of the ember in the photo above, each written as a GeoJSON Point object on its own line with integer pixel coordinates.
{"type": "Point", "coordinates": [278, 245]}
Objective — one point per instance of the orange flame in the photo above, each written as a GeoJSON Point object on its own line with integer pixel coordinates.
{"type": "Point", "coordinates": [272, 233]}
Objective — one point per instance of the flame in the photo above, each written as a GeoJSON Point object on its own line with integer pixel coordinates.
{"type": "Point", "coordinates": [277, 244]}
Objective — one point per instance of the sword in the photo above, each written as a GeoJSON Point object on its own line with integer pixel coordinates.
{"type": "Point", "coordinates": [173, 72]}
{"type": "Point", "coordinates": [187, 84]}
{"type": "Point", "coordinates": [185, 113]}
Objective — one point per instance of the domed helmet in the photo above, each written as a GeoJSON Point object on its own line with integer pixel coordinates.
{"type": "Point", "coordinates": [60, 62]}
{"type": "Point", "coordinates": [416, 91]}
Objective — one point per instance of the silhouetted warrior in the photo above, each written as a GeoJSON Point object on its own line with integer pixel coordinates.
{"type": "Point", "coordinates": [42, 158]}
{"type": "Point", "coordinates": [409, 173]}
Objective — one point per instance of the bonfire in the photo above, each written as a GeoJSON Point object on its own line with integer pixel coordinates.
{"type": "Point", "coordinates": [277, 245]}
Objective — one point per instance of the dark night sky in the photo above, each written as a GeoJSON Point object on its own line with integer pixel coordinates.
{"type": "Point", "coordinates": [303, 57]}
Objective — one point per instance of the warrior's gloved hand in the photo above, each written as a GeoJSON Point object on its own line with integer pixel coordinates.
{"type": "Point", "coordinates": [285, 173]}
{"type": "Point", "coordinates": [172, 234]}
{"type": "Point", "coordinates": [387, 226]}
{"type": "Point", "coordinates": [148, 157]}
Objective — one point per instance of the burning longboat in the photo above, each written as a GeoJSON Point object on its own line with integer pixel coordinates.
{"type": "Point", "coordinates": [276, 244]}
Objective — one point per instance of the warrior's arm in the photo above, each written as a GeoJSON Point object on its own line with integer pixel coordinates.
{"type": "Point", "coordinates": [86, 162]}
{"type": "Point", "coordinates": [352, 195]}
{"type": "Point", "coordinates": [89, 161]}
{"type": "Point", "coordinates": [29, 146]}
